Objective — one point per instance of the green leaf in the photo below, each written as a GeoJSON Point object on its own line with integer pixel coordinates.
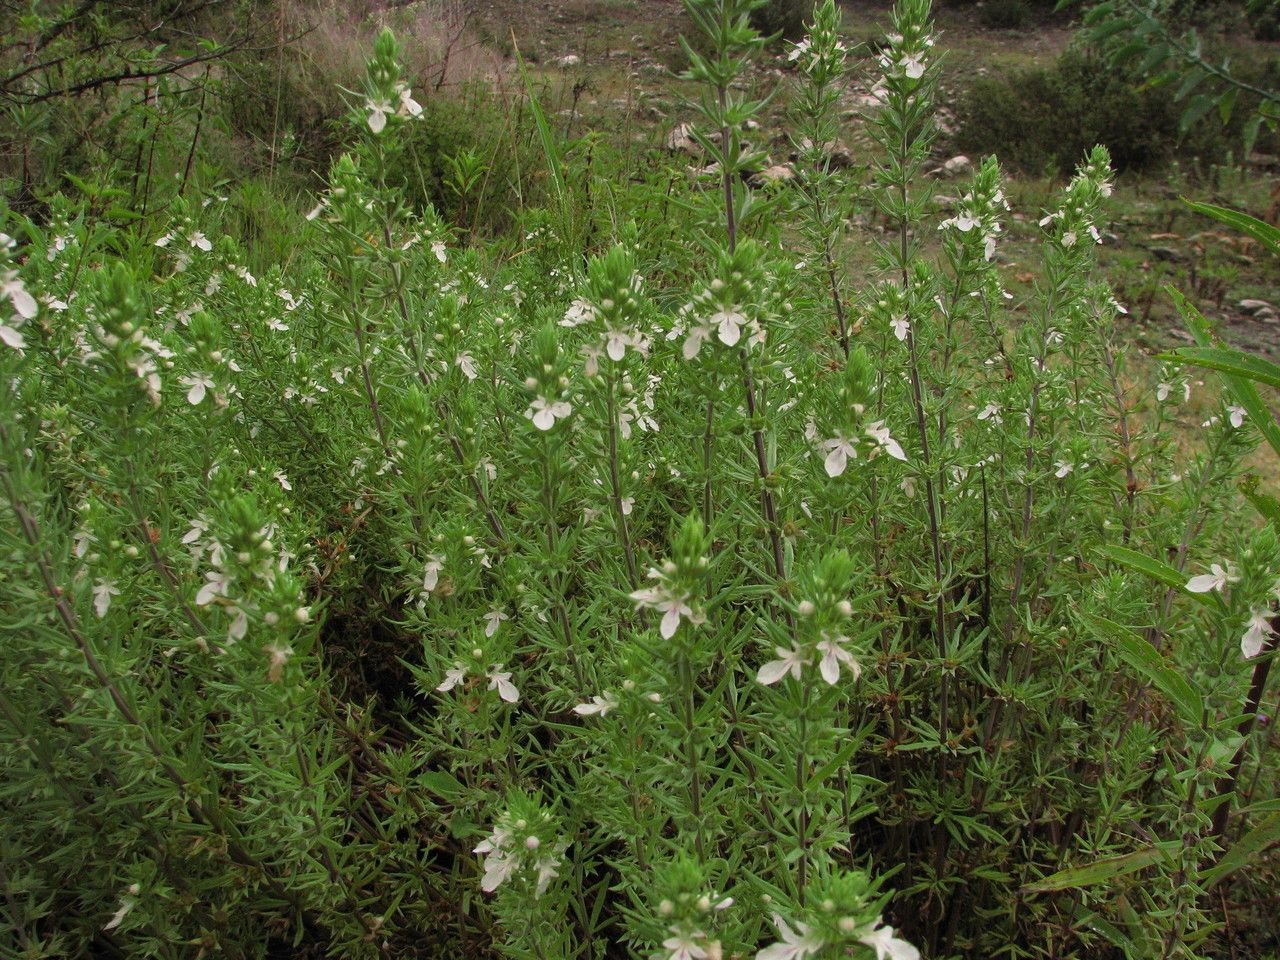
{"type": "Point", "coordinates": [1102, 870]}
{"type": "Point", "coordinates": [549, 146]}
{"type": "Point", "coordinates": [1226, 103]}
{"type": "Point", "coordinates": [1244, 850]}
{"type": "Point", "coordinates": [1146, 659]}
{"type": "Point", "coordinates": [1259, 230]}
{"type": "Point", "coordinates": [1155, 569]}
{"type": "Point", "coordinates": [1245, 393]}
{"type": "Point", "coordinates": [1196, 109]}
{"type": "Point", "coordinates": [1190, 82]}
{"type": "Point", "coordinates": [1264, 503]}
{"type": "Point", "coordinates": [1235, 362]}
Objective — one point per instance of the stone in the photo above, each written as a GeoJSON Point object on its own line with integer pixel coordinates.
{"type": "Point", "coordinates": [572, 60]}
{"type": "Point", "coordinates": [680, 140]}
{"type": "Point", "coordinates": [957, 166]}
{"type": "Point", "coordinates": [779, 173]}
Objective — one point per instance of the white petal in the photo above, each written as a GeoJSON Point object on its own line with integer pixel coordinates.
{"type": "Point", "coordinates": [544, 419]}
{"type": "Point", "coordinates": [670, 621]}
{"type": "Point", "coordinates": [836, 461]}
{"type": "Point", "coordinates": [11, 337]}
{"type": "Point", "coordinates": [1203, 583]}
{"type": "Point", "coordinates": [772, 672]}
{"type": "Point", "coordinates": [23, 302]}
{"type": "Point", "coordinates": [830, 666]}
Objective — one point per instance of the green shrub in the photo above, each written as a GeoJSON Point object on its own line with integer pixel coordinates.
{"type": "Point", "coordinates": [782, 16]}
{"type": "Point", "coordinates": [1005, 14]}
{"type": "Point", "coordinates": [1046, 117]}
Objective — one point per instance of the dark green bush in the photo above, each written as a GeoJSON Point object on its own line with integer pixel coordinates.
{"type": "Point", "coordinates": [458, 122]}
{"type": "Point", "coordinates": [782, 16]}
{"type": "Point", "coordinates": [1005, 14]}
{"type": "Point", "coordinates": [1047, 117]}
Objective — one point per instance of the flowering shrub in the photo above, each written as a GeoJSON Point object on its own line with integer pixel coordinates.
{"type": "Point", "coordinates": [413, 600]}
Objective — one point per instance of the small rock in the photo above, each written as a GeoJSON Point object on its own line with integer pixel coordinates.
{"type": "Point", "coordinates": [1168, 254]}
{"type": "Point", "coordinates": [1267, 316]}
{"type": "Point", "coordinates": [1255, 306]}
{"type": "Point", "coordinates": [680, 140]}
{"type": "Point", "coordinates": [777, 174]}
{"type": "Point", "coordinates": [957, 166]}
{"type": "Point", "coordinates": [572, 60]}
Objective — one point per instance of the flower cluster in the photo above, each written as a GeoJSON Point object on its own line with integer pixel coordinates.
{"type": "Point", "coordinates": [548, 384]}
{"type": "Point", "coordinates": [733, 302]}
{"type": "Point", "coordinates": [1077, 218]}
{"type": "Point", "coordinates": [474, 670]}
{"type": "Point", "coordinates": [612, 299]}
{"type": "Point", "coordinates": [905, 58]}
{"type": "Point", "coordinates": [846, 432]}
{"type": "Point", "coordinates": [977, 213]}
{"type": "Point", "coordinates": [687, 912]}
{"type": "Point", "coordinates": [821, 617]}
{"type": "Point", "coordinates": [522, 847]}
{"type": "Point", "coordinates": [821, 55]}
{"type": "Point", "coordinates": [679, 582]}
{"type": "Point", "coordinates": [843, 914]}
{"type": "Point", "coordinates": [23, 304]}
{"type": "Point", "coordinates": [389, 96]}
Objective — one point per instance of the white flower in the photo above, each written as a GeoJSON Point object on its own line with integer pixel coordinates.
{"type": "Point", "coordinates": [839, 451]}
{"type": "Point", "coordinates": [662, 597]}
{"type": "Point", "coordinates": [1064, 468]}
{"type": "Point", "coordinates": [103, 591]}
{"type": "Point", "coordinates": [913, 65]}
{"type": "Point", "coordinates": [431, 572]}
{"type": "Point", "coordinates": [216, 585]}
{"type": "Point", "coordinates": [728, 324]}
{"type": "Point", "coordinates": [12, 289]}
{"type": "Point", "coordinates": [378, 110]}
{"type": "Point", "coordinates": [239, 625]}
{"type": "Point", "coordinates": [282, 480]}
{"type": "Point", "coordinates": [492, 620]}
{"type": "Point", "coordinates": [543, 412]}
{"type": "Point", "coordinates": [1256, 635]}
{"type": "Point", "coordinates": [1216, 580]}
{"type": "Point", "coordinates": [617, 341]}
{"type": "Point", "coordinates": [10, 336]}
{"type": "Point", "coordinates": [1162, 392]}
{"type": "Point", "coordinates": [501, 681]}
{"type": "Point", "coordinates": [1069, 238]}
{"type": "Point", "coordinates": [1237, 415]}
{"type": "Point", "coordinates": [697, 337]}
{"type": "Point", "coordinates": [991, 412]}
{"type": "Point", "coordinates": [799, 50]}
{"type": "Point", "coordinates": [467, 364]}
{"type": "Point", "coordinates": [789, 661]}
{"type": "Point", "coordinates": [901, 327]}
{"type": "Point", "coordinates": [452, 677]}
{"type": "Point", "coordinates": [833, 654]}
{"type": "Point", "coordinates": [598, 706]}
{"type": "Point", "coordinates": [548, 868]}
{"type": "Point", "coordinates": [593, 354]}
{"type": "Point", "coordinates": [580, 311]}
{"type": "Point", "coordinates": [199, 384]}
{"type": "Point", "coordinates": [440, 250]}
{"type": "Point", "coordinates": [879, 433]}
{"type": "Point", "coordinates": [499, 862]}
{"type": "Point", "coordinates": [794, 945]}
{"type": "Point", "coordinates": [409, 107]}
{"type": "Point", "coordinates": [684, 946]}
{"type": "Point", "coordinates": [885, 944]}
